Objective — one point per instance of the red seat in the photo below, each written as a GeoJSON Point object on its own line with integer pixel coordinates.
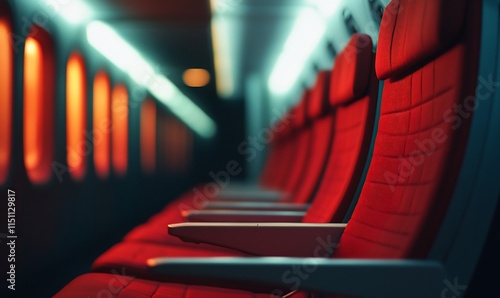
{"type": "Point", "coordinates": [427, 55]}
{"type": "Point", "coordinates": [108, 285]}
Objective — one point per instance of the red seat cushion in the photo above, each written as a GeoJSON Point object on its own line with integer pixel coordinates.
{"type": "Point", "coordinates": [132, 256]}
{"type": "Point", "coordinates": [115, 285]}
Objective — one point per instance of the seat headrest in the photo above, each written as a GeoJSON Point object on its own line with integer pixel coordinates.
{"type": "Point", "coordinates": [412, 34]}
{"type": "Point", "coordinates": [351, 73]}
{"type": "Point", "coordinates": [318, 101]}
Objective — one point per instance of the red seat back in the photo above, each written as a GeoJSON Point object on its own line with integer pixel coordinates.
{"type": "Point", "coordinates": [353, 92]}
{"type": "Point", "coordinates": [299, 146]}
{"type": "Point", "coordinates": [279, 161]}
{"type": "Point", "coordinates": [321, 118]}
{"type": "Point", "coordinates": [275, 155]}
{"type": "Point", "coordinates": [427, 55]}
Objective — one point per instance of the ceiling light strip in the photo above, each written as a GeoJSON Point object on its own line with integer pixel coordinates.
{"type": "Point", "coordinates": [112, 46]}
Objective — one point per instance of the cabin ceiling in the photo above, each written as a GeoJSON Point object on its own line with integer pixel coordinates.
{"type": "Point", "coordinates": [175, 35]}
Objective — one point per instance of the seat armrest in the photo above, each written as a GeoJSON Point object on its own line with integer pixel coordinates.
{"type": "Point", "coordinates": [278, 276]}
{"type": "Point", "coordinates": [243, 216]}
{"type": "Point", "coordinates": [252, 195]}
{"type": "Point", "coordinates": [265, 206]}
{"type": "Point", "coordinates": [264, 239]}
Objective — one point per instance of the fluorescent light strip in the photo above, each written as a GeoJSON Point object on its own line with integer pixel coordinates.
{"type": "Point", "coordinates": [303, 39]}
{"type": "Point", "coordinates": [306, 34]}
{"type": "Point", "coordinates": [112, 46]}
{"type": "Point", "coordinates": [326, 7]}
{"type": "Point", "coordinates": [73, 11]}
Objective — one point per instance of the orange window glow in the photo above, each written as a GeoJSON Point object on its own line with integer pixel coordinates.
{"type": "Point", "coordinates": [119, 135]}
{"type": "Point", "coordinates": [76, 143]}
{"type": "Point", "coordinates": [38, 106]}
{"type": "Point", "coordinates": [102, 124]}
{"type": "Point", "coordinates": [5, 98]}
{"type": "Point", "coordinates": [148, 136]}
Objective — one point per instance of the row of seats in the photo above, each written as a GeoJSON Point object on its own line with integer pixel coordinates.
{"type": "Point", "coordinates": [317, 162]}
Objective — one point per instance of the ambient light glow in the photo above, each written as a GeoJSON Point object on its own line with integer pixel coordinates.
{"type": "Point", "coordinates": [102, 119]}
{"type": "Point", "coordinates": [33, 65]}
{"type": "Point", "coordinates": [306, 34]}
{"type": "Point", "coordinates": [6, 100]}
{"type": "Point", "coordinates": [38, 105]}
{"type": "Point", "coordinates": [75, 115]}
{"type": "Point", "coordinates": [303, 39]}
{"type": "Point", "coordinates": [112, 46]}
{"type": "Point", "coordinates": [75, 11]}
{"type": "Point", "coordinates": [196, 77]}
{"type": "Point", "coordinates": [326, 7]}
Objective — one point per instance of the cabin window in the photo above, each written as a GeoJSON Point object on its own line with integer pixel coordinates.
{"type": "Point", "coordinates": [119, 135]}
{"type": "Point", "coordinates": [148, 136]}
{"type": "Point", "coordinates": [76, 142]}
{"type": "Point", "coordinates": [6, 81]}
{"type": "Point", "coordinates": [101, 124]}
{"type": "Point", "coordinates": [38, 113]}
